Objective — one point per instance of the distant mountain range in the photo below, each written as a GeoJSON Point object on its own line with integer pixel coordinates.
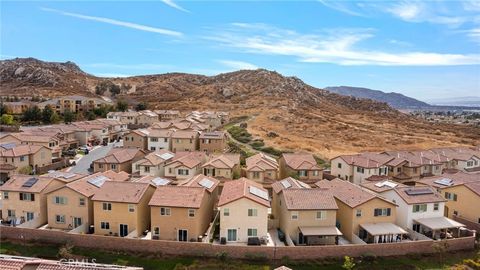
{"type": "Point", "coordinates": [395, 100]}
{"type": "Point", "coordinates": [458, 101]}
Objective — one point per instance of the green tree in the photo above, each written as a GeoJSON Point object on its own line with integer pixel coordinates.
{"type": "Point", "coordinates": [91, 115]}
{"type": "Point", "coordinates": [55, 118]}
{"type": "Point", "coordinates": [47, 114]}
{"type": "Point", "coordinates": [3, 108]}
{"type": "Point", "coordinates": [6, 119]}
{"type": "Point", "coordinates": [68, 116]}
{"type": "Point", "coordinates": [32, 114]}
{"type": "Point", "coordinates": [122, 105]}
{"type": "Point", "coordinates": [141, 106]}
{"type": "Point", "coordinates": [348, 264]}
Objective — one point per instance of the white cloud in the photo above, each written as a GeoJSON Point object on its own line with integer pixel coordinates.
{"type": "Point", "coordinates": [174, 5]}
{"type": "Point", "coordinates": [473, 34]}
{"type": "Point", "coordinates": [337, 46]}
{"type": "Point", "coordinates": [341, 6]}
{"type": "Point", "coordinates": [237, 64]}
{"type": "Point", "coordinates": [116, 22]}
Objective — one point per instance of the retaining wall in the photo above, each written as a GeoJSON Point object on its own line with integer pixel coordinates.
{"type": "Point", "coordinates": [206, 249]}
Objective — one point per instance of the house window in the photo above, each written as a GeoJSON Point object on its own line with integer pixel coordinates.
{"type": "Point", "coordinates": [27, 196]}
{"type": "Point", "coordinates": [256, 174]}
{"type": "Point", "coordinates": [22, 158]}
{"type": "Point", "coordinates": [156, 231]}
{"type": "Point", "coordinates": [60, 219]}
{"type": "Point", "coordinates": [164, 211]}
{"type": "Point", "coordinates": [419, 208]}
{"type": "Point", "coordinates": [360, 170]}
{"type": "Point", "coordinates": [5, 195]}
{"type": "Point", "coordinates": [252, 232]}
{"type": "Point", "coordinates": [399, 169]}
{"type": "Point", "coordinates": [358, 213]}
{"type": "Point", "coordinates": [113, 166]}
{"type": "Point", "coordinates": [294, 215]}
{"type": "Point", "coordinates": [169, 170]}
{"type": "Point", "coordinates": [436, 206]}
{"type": "Point", "coordinates": [81, 201]}
{"type": "Point", "coordinates": [302, 173]}
{"type": "Point", "coordinates": [146, 169]}
{"type": "Point", "coordinates": [252, 212]}
{"type": "Point", "coordinates": [131, 208]}
{"type": "Point", "coordinates": [226, 212]}
{"type": "Point", "coordinates": [182, 172]}
{"type": "Point", "coordinates": [382, 212]}
{"type": "Point", "coordinates": [59, 200]}
{"type": "Point", "coordinates": [165, 140]}
{"type": "Point", "coordinates": [105, 225]}
{"type": "Point", "coordinates": [416, 227]}
{"type": "Point", "coordinates": [450, 196]}
{"type": "Point", "coordinates": [191, 212]}
{"type": "Point", "coordinates": [10, 213]}
{"type": "Point", "coordinates": [455, 213]}
{"type": "Point", "coordinates": [154, 139]}
{"type": "Point", "coordinates": [100, 165]}
{"type": "Point", "coordinates": [469, 163]}
{"type": "Point", "coordinates": [30, 216]}
{"type": "Point", "coordinates": [321, 215]}
{"type": "Point", "coordinates": [339, 165]}
{"type": "Point", "coordinates": [107, 206]}
{"type": "Point", "coordinates": [315, 173]}
{"type": "Point", "coordinates": [152, 148]}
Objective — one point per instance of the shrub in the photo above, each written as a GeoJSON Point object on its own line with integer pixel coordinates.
{"type": "Point", "coordinates": [256, 256]}
{"type": "Point", "coordinates": [222, 256]}
{"type": "Point", "coordinates": [65, 251]}
{"type": "Point", "coordinates": [348, 264]}
{"type": "Point", "coordinates": [272, 151]}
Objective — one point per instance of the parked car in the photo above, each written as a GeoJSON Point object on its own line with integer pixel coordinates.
{"type": "Point", "coordinates": [69, 152]}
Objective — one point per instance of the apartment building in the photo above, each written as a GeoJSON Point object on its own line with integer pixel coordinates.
{"type": "Point", "coordinates": [302, 165]}
{"type": "Point", "coordinates": [118, 159]}
{"type": "Point", "coordinates": [243, 207]}
{"type": "Point", "coordinates": [75, 103]}
{"type": "Point", "coordinates": [70, 206]}
{"type": "Point", "coordinates": [121, 208]}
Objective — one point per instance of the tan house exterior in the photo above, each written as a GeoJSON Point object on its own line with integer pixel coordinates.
{"type": "Point", "coordinates": [118, 159]}
{"type": "Point", "coordinates": [242, 213]}
{"type": "Point", "coordinates": [224, 167]}
{"type": "Point", "coordinates": [462, 192]}
{"type": "Point", "coordinates": [152, 164]}
{"type": "Point", "coordinates": [360, 210]}
{"type": "Point", "coordinates": [121, 208]}
{"type": "Point", "coordinates": [24, 198]}
{"type": "Point", "coordinates": [184, 140]}
{"type": "Point", "coordinates": [21, 157]}
{"type": "Point", "coordinates": [167, 115]}
{"type": "Point", "coordinates": [277, 188]}
{"type": "Point", "coordinates": [71, 206]}
{"type": "Point", "coordinates": [213, 142]}
{"type": "Point", "coordinates": [184, 165]}
{"type": "Point", "coordinates": [136, 139]}
{"type": "Point", "coordinates": [183, 212]}
{"type": "Point", "coordinates": [147, 118]}
{"type": "Point", "coordinates": [302, 165]}
{"type": "Point", "coordinates": [262, 168]}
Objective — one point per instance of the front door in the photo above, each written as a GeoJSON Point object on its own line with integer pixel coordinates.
{"type": "Point", "coordinates": [183, 235]}
{"type": "Point", "coordinates": [213, 172]}
{"type": "Point", "coordinates": [123, 230]}
{"type": "Point", "coordinates": [232, 235]}
{"type": "Point", "coordinates": [77, 222]}
{"type": "Point", "coordinates": [446, 211]}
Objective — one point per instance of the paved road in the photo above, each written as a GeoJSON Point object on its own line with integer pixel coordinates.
{"type": "Point", "coordinates": [84, 163]}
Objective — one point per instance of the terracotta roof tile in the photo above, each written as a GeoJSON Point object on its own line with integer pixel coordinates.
{"type": "Point", "coordinates": [429, 195]}
{"type": "Point", "coordinates": [120, 155]}
{"type": "Point", "coordinates": [224, 161]}
{"type": "Point", "coordinates": [123, 192]}
{"type": "Point", "coordinates": [87, 189]}
{"type": "Point", "coordinates": [178, 196]}
{"type": "Point", "coordinates": [287, 183]}
{"type": "Point", "coordinates": [261, 162]}
{"type": "Point", "coordinates": [238, 189]}
{"type": "Point", "coordinates": [21, 150]}
{"type": "Point", "coordinates": [308, 199]}
{"type": "Point", "coordinates": [300, 161]}
{"type": "Point", "coordinates": [196, 181]}
{"type": "Point", "coordinates": [188, 159]}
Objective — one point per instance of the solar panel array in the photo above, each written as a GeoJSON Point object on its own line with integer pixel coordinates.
{"type": "Point", "coordinates": [444, 182]}
{"type": "Point", "coordinates": [30, 182]}
{"type": "Point", "coordinates": [258, 192]}
{"type": "Point", "coordinates": [286, 184]}
{"type": "Point", "coordinates": [98, 181]}
{"type": "Point", "coordinates": [158, 181]}
{"type": "Point", "coordinates": [8, 146]}
{"type": "Point", "coordinates": [206, 183]}
{"type": "Point", "coordinates": [418, 191]}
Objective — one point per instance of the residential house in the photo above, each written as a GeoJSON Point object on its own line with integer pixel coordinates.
{"type": "Point", "coordinates": [121, 208]}
{"type": "Point", "coordinates": [147, 118]}
{"type": "Point", "coordinates": [118, 159]}
{"type": "Point", "coordinates": [262, 168]}
{"type": "Point", "coordinates": [70, 206]}
{"type": "Point", "coordinates": [381, 186]}
{"type": "Point", "coordinates": [461, 158]}
{"type": "Point", "coordinates": [212, 142]}
{"type": "Point", "coordinates": [362, 215]}
{"type": "Point", "coordinates": [302, 165]}
{"type": "Point", "coordinates": [185, 165]}
{"type": "Point", "coordinates": [183, 212]}
{"type": "Point", "coordinates": [136, 138]}
{"type": "Point", "coordinates": [224, 166]}
{"type": "Point", "coordinates": [421, 209]}
{"type": "Point", "coordinates": [128, 117]}
{"type": "Point", "coordinates": [184, 140]}
{"type": "Point", "coordinates": [24, 197]}
{"type": "Point", "coordinates": [243, 207]}
{"type": "Point", "coordinates": [357, 168]}
{"type": "Point", "coordinates": [36, 138]}
{"type": "Point", "coordinates": [24, 158]}
{"type": "Point", "coordinates": [462, 192]}
{"type": "Point", "coordinates": [159, 139]}
{"type": "Point", "coordinates": [277, 189]}
{"type": "Point", "coordinates": [167, 115]}
{"type": "Point", "coordinates": [152, 164]}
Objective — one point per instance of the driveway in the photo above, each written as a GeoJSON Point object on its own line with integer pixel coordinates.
{"type": "Point", "coordinates": [84, 163]}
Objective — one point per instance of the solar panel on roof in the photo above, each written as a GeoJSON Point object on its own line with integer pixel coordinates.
{"type": "Point", "coordinates": [98, 181]}
{"type": "Point", "coordinates": [8, 146]}
{"type": "Point", "coordinates": [258, 192]}
{"type": "Point", "coordinates": [165, 156]}
{"type": "Point", "coordinates": [158, 181]}
{"type": "Point", "coordinates": [444, 182]}
{"type": "Point", "coordinates": [206, 183]}
{"type": "Point", "coordinates": [286, 184]}
{"type": "Point", "coordinates": [30, 182]}
{"type": "Point", "coordinates": [422, 191]}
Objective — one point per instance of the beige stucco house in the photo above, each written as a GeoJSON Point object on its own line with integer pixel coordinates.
{"type": "Point", "coordinates": [184, 165]}
{"type": "Point", "coordinates": [262, 168]}
{"type": "Point", "coordinates": [152, 164]}
{"type": "Point", "coordinates": [213, 142]}
{"type": "Point", "coordinates": [25, 157]}
{"type": "Point", "coordinates": [224, 166]}
{"type": "Point", "coordinates": [136, 138]}
{"type": "Point", "coordinates": [301, 165]}
{"type": "Point", "coordinates": [118, 159]}
{"type": "Point", "coordinates": [184, 140]}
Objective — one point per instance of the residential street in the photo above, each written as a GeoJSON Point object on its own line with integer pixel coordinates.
{"type": "Point", "coordinates": [84, 163]}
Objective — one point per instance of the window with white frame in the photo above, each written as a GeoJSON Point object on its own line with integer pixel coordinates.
{"type": "Point", "coordinates": [252, 212]}
{"type": "Point", "coordinates": [226, 212]}
{"type": "Point", "coordinates": [358, 213]}
{"type": "Point", "coordinates": [164, 211]}
{"type": "Point", "coordinates": [252, 232]}
{"type": "Point", "coordinates": [131, 208]}
{"type": "Point", "coordinates": [436, 206]}
{"type": "Point", "coordinates": [81, 201]}
{"type": "Point", "coordinates": [191, 213]}
{"type": "Point", "coordinates": [60, 219]}
{"type": "Point", "coordinates": [59, 200]}
{"type": "Point", "coordinates": [107, 206]}
{"type": "Point", "coordinates": [105, 225]}
{"type": "Point", "coordinates": [419, 208]}
{"type": "Point", "coordinates": [321, 215]}
{"type": "Point", "coordinates": [294, 215]}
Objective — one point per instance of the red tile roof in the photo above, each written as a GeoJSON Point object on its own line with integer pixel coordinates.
{"type": "Point", "coordinates": [308, 199]}
{"type": "Point", "coordinates": [123, 192]}
{"type": "Point", "coordinates": [300, 161]}
{"type": "Point", "coordinates": [178, 196]}
{"type": "Point", "coordinates": [238, 189]}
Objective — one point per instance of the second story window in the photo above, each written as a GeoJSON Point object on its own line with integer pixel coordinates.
{"type": "Point", "coordinates": [252, 212]}
{"type": "Point", "coordinates": [113, 166]}
{"type": "Point", "coordinates": [5, 195]}
{"type": "Point", "coordinates": [419, 208]}
{"type": "Point", "coordinates": [131, 208]}
{"type": "Point", "coordinates": [182, 172]}
{"type": "Point", "coordinates": [81, 201]}
{"type": "Point", "coordinates": [436, 206]}
{"type": "Point", "coordinates": [360, 170]}
{"type": "Point", "coordinates": [256, 174]}
{"type": "Point", "coordinates": [164, 211]}
{"type": "Point", "coordinates": [358, 213]}
{"type": "Point", "coordinates": [22, 158]}
{"type": "Point", "coordinates": [450, 196]}
{"type": "Point", "coordinates": [107, 206]}
{"type": "Point", "coordinates": [226, 212]}
{"type": "Point", "coordinates": [191, 213]}
{"type": "Point", "coordinates": [59, 200]}
{"type": "Point", "coordinates": [382, 212]}
{"type": "Point", "coordinates": [154, 139]}
{"type": "Point", "coordinates": [339, 165]}
{"type": "Point", "coordinates": [294, 215]}
{"type": "Point", "coordinates": [302, 173]}
{"type": "Point", "coordinates": [321, 215]}
{"type": "Point", "coordinates": [315, 173]}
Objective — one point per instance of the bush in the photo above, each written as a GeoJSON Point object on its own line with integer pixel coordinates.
{"type": "Point", "coordinates": [260, 257]}
{"type": "Point", "coordinates": [272, 151]}
{"type": "Point", "coordinates": [65, 251]}
{"type": "Point", "coordinates": [222, 256]}
{"type": "Point", "coordinates": [369, 257]}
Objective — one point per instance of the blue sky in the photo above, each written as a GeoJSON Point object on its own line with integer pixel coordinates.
{"type": "Point", "coordinates": [422, 49]}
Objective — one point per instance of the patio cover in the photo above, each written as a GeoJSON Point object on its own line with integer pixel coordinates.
{"type": "Point", "coordinates": [312, 231]}
{"type": "Point", "coordinates": [438, 223]}
{"type": "Point", "coordinates": [383, 228]}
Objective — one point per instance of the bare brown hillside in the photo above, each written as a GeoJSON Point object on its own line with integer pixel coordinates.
{"type": "Point", "coordinates": [304, 117]}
